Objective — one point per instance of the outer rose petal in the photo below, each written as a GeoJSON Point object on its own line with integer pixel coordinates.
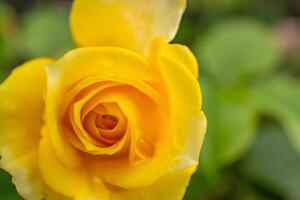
{"type": "Point", "coordinates": [21, 115]}
{"type": "Point", "coordinates": [170, 187]}
{"type": "Point", "coordinates": [177, 66]}
{"type": "Point", "coordinates": [125, 23]}
{"type": "Point", "coordinates": [176, 52]}
{"type": "Point", "coordinates": [71, 182]}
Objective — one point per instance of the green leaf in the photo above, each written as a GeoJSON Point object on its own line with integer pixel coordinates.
{"type": "Point", "coordinates": [7, 34]}
{"type": "Point", "coordinates": [185, 32]}
{"type": "Point", "coordinates": [7, 189]}
{"type": "Point", "coordinates": [293, 63]}
{"type": "Point", "coordinates": [280, 98]}
{"type": "Point", "coordinates": [6, 17]}
{"type": "Point", "coordinates": [269, 11]}
{"type": "Point", "coordinates": [246, 191]}
{"type": "Point", "coordinates": [209, 186]}
{"type": "Point", "coordinates": [273, 165]}
{"type": "Point", "coordinates": [231, 124]}
{"type": "Point", "coordinates": [238, 49]}
{"type": "Point", "coordinates": [46, 32]}
{"type": "Point", "coordinates": [5, 58]}
{"type": "Point", "coordinates": [218, 6]}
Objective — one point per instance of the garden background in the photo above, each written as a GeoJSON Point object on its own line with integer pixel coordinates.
{"type": "Point", "coordinates": [249, 57]}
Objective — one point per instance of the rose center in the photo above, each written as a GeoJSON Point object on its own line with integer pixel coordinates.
{"type": "Point", "coordinates": [113, 119]}
{"type": "Point", "coordinates": [106, 121]}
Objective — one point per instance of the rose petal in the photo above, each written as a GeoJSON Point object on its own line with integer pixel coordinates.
{"type": "Point", "coordinates": [125, 23]}
{"type": "Point", "coordinates": [70, 182]}
{"type": "Point", "coordinates": [21, 113]}
{"type": "Point", "coordinates": [188, 122]}
{"type": "Point", "coordinates": [171, 186]}
{"type": "Point", "coordinates": [79, 64]}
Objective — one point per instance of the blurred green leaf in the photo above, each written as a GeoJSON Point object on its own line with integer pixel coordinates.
{"type": "Point", "coordinates": [268, 11]}
{"type": "Point", "coordinates": [218, 6]}
{"type": "Point", "coordinates": [185, 32]}
{"type": "Point", "coordinates": [237, 49]}
{"type": "Point", "coordinates": [293, 63]}
{"type": "Point", "coordinates": [7, 33]}
{"type": "Point", "coordinates": [273, 164]}
{"type": "Point", "coordinates": [7, 189]}
{"type": "Point", "coordinates": [46, 32]}
{"type": "Point", "coordinates": [231, 126]}
{"type": "Point", "coordinates": [209, 186]}
{"type": "Point", "coordinates": [3, 57]}
{"type": "Point", "coordinates": [280, 98]}
{"type": "Point", "coordinates": [6, 16]}
{"type": "Point", "coordinates": [245, 191]}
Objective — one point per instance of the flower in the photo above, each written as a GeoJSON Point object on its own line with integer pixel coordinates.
{"type": "Point", "coordinates": [119, 118]}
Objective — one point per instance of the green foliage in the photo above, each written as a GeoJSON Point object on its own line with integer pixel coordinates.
{"type": "Point", "coordinates": [238, 49]}
{"type": "Point", "coordinates": [232, 124]}
{"type": "Point", "coordinates": [3, 58]}
{"type": "Point", "coordinates": [6, 15]}
{"type": "Point", "coordinates": [240, 59]}
{"type": "Point", "coordinates": [279, 97]}
{"type": "Point", "coordinates": [267, 11]}
{"type": "Point", "coordinates": [273, 164]}
{"type": "Point", "coordinates": [7, 189]}
{"type": "Point", "coordinates": [7, 31]}
{"type": "Point", "coordinates": [219, 5]}
{"type": "Point", "coordinates": [233, 53]}
{"type": "Point", "coordinates": [45, 32]}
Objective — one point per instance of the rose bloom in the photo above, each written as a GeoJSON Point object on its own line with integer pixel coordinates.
{"type": "Point", "coordinates": [119, 118]}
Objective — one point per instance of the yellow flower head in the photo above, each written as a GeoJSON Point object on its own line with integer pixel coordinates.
{"type": "Point", "coordinates": [119, 118]}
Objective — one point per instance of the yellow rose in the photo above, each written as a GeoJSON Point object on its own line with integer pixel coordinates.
{"type": "Point", "coordinates": [120, 120]}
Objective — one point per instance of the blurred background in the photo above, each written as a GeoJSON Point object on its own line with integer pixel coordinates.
{"type": "Point", "coordinates": [249, 56]}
